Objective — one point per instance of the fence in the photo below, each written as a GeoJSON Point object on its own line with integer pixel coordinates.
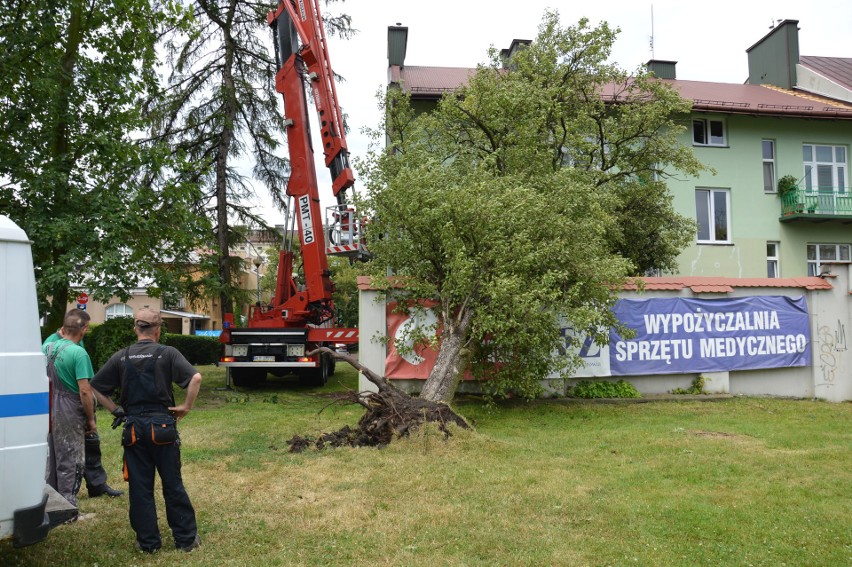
{"type": "Point", "coordinates": [789, 338]}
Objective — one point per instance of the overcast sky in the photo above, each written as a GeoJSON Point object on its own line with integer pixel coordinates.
{"type": "Point", "coordinates": [707, 39]}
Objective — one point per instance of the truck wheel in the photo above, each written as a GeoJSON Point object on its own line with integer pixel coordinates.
{"type": "Point", "coordinates": [247, 377]}
{"type": "Point", "coordinates": [316, 377]}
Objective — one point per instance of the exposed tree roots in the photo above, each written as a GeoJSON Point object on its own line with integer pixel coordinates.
{"type": "Point", "coordinates": [390, 414]}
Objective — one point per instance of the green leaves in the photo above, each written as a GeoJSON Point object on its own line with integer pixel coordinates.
{"type": "Point", "coordinates": [528, 195]}
{"type": "Point", "coordinates": [73, 76]}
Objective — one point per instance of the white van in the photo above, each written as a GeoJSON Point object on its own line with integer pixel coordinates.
{"type": "Point", "coordinates": [24, 397]}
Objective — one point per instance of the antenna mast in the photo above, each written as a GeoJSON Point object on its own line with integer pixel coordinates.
{"type": "Point", "coordinates": [652, 31]}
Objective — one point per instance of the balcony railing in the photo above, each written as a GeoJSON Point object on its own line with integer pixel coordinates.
{"type": "Point", "coordinates": [824, 203]}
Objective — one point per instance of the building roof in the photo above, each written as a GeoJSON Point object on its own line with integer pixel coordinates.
{"type": "Point", "coordinates": [698, 284]}
{"type": "Point", "coordinates": [728, 98]}
{"type": "Point", "coordinates": [838, 69]}
{"type": "Point", "coordinates": [765, 100]}
{"type": "Point", "coordinates": [713, 284]}
{"type": "Point", "coordinates": [429, 81]}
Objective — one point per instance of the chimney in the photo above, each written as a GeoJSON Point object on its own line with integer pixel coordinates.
{"type": "Point", "coordinates": [773, 59]}
{"type": "Point", "coordinates": [514, 47]}
{"type": "Point", "coordinates": [662, 69]}
{"type": "Point", "coordinates": [397, 43]}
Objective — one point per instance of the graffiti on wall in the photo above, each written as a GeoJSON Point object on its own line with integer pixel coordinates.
{"type": "Point", "coordinates": [831, 342]}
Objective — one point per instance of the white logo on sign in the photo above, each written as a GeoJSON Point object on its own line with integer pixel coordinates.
{"type": "Point", "coordinates": [307, 221]}
{"type": "Point", "coordinates": [403, 334]}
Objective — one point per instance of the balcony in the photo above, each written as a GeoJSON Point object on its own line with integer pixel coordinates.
{"type": "Point", "coordinates": [825, 204]}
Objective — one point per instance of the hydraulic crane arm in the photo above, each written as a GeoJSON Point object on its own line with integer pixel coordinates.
{"type": "Point", "coordinates": [279, 337]}
{"type": "Point", "coordinates": [301, 56]}
{"type": "Point", "coordinates": [304, 18]}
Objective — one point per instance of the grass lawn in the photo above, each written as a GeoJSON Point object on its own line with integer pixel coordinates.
{"type": "Point", "coordinates": [743, 481]}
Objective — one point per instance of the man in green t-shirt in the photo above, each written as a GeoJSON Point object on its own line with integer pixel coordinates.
{"type": "Point", "coordinates": [72, 411]}
{"type": "Point", "coordinates": [94, 473]}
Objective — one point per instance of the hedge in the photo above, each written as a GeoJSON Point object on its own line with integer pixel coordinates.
{"type": "Point", "coordinates": [104, 340]}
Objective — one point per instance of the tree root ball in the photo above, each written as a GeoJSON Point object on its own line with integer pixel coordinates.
{"type": "Point", "coordinates": [390, 414]}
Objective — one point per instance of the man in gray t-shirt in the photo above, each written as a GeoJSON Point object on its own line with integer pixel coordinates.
{"type": "Point", "coordinates": [145, 372]}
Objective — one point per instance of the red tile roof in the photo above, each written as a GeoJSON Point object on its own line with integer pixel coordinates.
{"type": "Point", "coordinates": [699, 284]}
{"type": "Point", "coordinates": [728, 98]}
{"type": "Point", "coordinates": [430, 81]}
{"type": "Point", "coordinates": [713, 284]}
{"type": "Point", "coordinates": [731, 98]}
{"type": "Point", "coordinates": [838, 69]}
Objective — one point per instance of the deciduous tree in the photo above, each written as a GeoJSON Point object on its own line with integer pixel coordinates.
{"type": "Point", "coordinates": [523, 201]}
{"type": "Point", "coordinates": [76, 172]}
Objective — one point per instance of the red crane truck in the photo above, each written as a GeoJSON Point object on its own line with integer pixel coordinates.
{"type": "Point", "coordinates": [299, 318]}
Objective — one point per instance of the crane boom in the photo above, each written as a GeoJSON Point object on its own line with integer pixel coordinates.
{"type": "Point", "coordinates": [306, 21]}
{"type": "Point", "coordinates": [299, 318]}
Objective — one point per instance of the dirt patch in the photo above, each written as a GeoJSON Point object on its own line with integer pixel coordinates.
{"type": "Point", "coordinates": [713, 434]}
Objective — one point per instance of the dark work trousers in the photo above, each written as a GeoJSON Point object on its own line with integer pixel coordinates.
{"type": "Point", "coordinates": [94, 474]}
{"type": "Point", "coordinates": [141, 459]}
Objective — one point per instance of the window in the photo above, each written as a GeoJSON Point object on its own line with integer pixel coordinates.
{"type": "Point", "coordinates": [769, 167]}
{"type": "Point", "coordinates": [819, 253]}
{"type": "Point", "coordinates": [772, 270]}
{"type": "Point", "coordinates": [825, 168]}
{"type": "Point", "coordinates": [712, 215]}
{"type": "Point", "coordinates": [118, 310]}
{"type": "Point", "coordinates": [708, 132]}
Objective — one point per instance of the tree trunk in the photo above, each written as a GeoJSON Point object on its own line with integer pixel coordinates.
{"type": "Point", "coordinates": [60, 152]}
{"type": "Point", "coordinates": [225, 139]}
{"type": "Point", "coordinates": [56, 313]}
{"type": "Point", "coordinates": [449, 366]}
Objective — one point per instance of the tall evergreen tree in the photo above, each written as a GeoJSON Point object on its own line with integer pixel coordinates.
{"type": "Point", "coordinates": [223, 112]}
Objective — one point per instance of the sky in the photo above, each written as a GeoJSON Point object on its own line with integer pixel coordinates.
{"type": "Point", "coordinates": [708, 40]}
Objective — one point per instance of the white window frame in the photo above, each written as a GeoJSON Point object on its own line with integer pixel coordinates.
{"type": "Point", "coordinates": [769, 185]}
{"type": "Point", "coordinates": [711, 210]}
{"type": "Point", "coordinates": [773, 259]}
{"type": "Point", "coordinates": [112, 311]}
{"type": "Point", "coordinates": [815, 260]}
{"type": "Point", "coordinates": [838, 166]}
{"type": "Point", "coordinates": [708, 140]}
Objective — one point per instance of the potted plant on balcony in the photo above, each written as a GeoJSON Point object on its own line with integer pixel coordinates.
{"type": "Point", "coordinates": [787, 185]}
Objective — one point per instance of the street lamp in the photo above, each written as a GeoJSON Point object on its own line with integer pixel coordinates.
{"type": "Point", "coordinates": [257, 261]}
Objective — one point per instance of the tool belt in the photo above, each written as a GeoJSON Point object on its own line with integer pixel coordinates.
{"type": "Point", "coordinates": [147, 410]}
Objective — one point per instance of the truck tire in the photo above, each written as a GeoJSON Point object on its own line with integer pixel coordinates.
{"type": "Point", "coordinates": [316, 377]}
{"type": "Point", "coordinates": [248, 377]}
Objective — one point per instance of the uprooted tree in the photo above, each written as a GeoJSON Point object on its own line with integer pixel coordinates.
{"type": "Point", "coordinates": [389, 414]}
{"type": "Point", "coordinates": [521, 203]}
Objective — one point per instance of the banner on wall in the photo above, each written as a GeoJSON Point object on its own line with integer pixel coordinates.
{"type": "Point", "coordinates": [409, 364]}
{"type": "Point", "coordinates": [673, 336]}
{"type": "Point", "coordinates": [680, 335]}
{"type": "Point", "coordinates": [595, 357]}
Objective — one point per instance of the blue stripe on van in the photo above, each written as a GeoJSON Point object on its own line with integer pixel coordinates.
{"type": "Point", "coordinates": [17, 405]}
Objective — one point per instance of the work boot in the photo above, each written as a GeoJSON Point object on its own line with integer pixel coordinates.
{"type": "Point", "coordinates": [195, 543]}
{"type": "Point", "coordinates": [100, 490]}
{"type": "Point", "coordinates": [146, 549]}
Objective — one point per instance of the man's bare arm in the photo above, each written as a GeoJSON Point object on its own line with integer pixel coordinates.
{"type": "Point", "coordinates": [192, 390]}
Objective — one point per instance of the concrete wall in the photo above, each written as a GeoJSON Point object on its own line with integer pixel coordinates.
{"type": "Point", "coordinates": [829, 377]}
